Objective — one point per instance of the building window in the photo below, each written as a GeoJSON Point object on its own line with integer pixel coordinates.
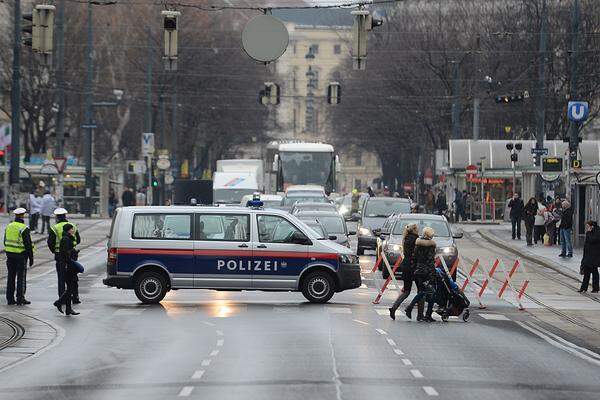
{"type": "Point", "coordinates": [314, 49]}
{"type": "Point", "coordinates": [337, 49]}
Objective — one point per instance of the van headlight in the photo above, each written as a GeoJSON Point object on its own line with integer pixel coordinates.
{"type": "Point", "coordinates": [447, 251]}
{"type": "Point", "coordinates": [364, 231]}
{"type": "Point", "coordinates": [348, 258]}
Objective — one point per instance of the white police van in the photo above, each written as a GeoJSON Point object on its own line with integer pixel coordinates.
{"type": "Point", "coordinates": [155, 249]}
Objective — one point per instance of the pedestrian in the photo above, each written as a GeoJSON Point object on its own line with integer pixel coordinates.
{"type": "Point", "coordinates": [429, 201]}
{"type": "Point", "coordinates": [55, 235]}
{"type": "Point", "coordinates": [424, 272]}
{"type": "Point", "coordinates": [516, 214]}
{"type": "Point", "coordinates": [469, 202]}
{"type": "Point", "coordinates": [591, 257]}
{"type": "Point", "coordinates": [68, 254]}
{"type": "Point", "coordinates": [411, 234]}
{"type": "Point", "coordinates": [140, 198]}
{"type": "Point", "coordinates": [441, 204]}
{"type": "Point", "coordinates": [539, 228]}
{"type": "Point", "coordinates": [557, 204]}
{"type": "Point", "coordinates": [48, 207]}
{"type": "Point", "coordinates": [459, 205]}
{"type": "Point", "coordinates": [553, 217]}
{"type": "Point", "coordinates": [19, 248]}
{"type": "Point", "coordinates": [566, 230]}
{"type": "Point", "coordinates": [529, 213]}
{"type": "Point", "coordinates": [113, 202]}
{"type": "Point", "coordinates": [35, 209]}
{"type": "Point", "coordinates": [128, 197]}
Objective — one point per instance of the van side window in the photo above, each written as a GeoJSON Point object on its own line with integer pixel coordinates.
{"type": "Point", "coordinates": [275, 229]}
{"type": "Point", "coordinates": [223, 227]}
{"type": "Point", "coordinates": [162, 226]}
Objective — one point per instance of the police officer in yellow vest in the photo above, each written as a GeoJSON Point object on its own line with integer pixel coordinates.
{"type": "Point", "coordinates": [19, 248]}
{"type": "Point", "coordinates": [54, 237]}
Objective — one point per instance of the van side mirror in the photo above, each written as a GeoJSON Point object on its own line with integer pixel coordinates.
{"type": "Point", "coordinates": [458, 235]}
{"type": "Point", "coordinates": [355, 217]}
{"type": "Point", "coordinates": [332, 237]}
{"type": "Point", "coordinates": [300, 238]}
{"type": "Point", "coordinates": [351, 233]}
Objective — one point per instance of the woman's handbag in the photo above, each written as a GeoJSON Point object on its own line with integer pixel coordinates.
{"type": "Point", "coordinates": [77, 266]}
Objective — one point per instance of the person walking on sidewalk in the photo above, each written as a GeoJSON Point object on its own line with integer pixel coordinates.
{"type": "Point", "coordinates": [424, 272]}
{"type": "Point", "coordinates": [553, 216]}
{"type": "Point", "coordinates": [516, 214]}
{"type": "Point", "coordinates": [411, 234]}
{"type": "Point", "coordinates": [35, 208]}
{"type": "Point", "coordinates": [591, 257]}
{"type": "Point", "coordinates": [539, 227]}
{"type": "Point", "coordinates": [19, 248]}
{"type": "Point", "coordinates": [529, 213]}
{"type": "Point", "coordinates": [48, 207]}
{"type": "Point", "coordinates": [68, 255]}
{"type": "Point", "coordinates": [566, 230]}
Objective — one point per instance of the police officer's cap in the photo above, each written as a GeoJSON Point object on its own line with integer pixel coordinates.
{"type": "Point", "coordinates": [60, 211]}
{"type": "Point", "coordinates": [19, 211]}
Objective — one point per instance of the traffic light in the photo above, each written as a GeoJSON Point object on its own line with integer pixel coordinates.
{"type": "Point", "coordinates": [537, 160]}
{"type": "Point", "coordinates": [45, 31]}
{"type": "Point", "coordinates": [2, 155]}
{"type": "Point", "coordinates": [170, 29]}
{"type": "Point", "coordinates": [334, 93]}
{"type": "Point", "coordinates": [363, 23]}
{"type": "Point", "coordinates": [511, 98]}
{"type": "Point", "coordinates": [514, 157]}
{"type": "Point", "coordinates": [27, 29]}
{"type": "Point", "coordinates": [154, 182]}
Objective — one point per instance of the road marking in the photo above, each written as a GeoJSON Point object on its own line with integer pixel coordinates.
{"type": "Point", "coordinates": [406, 361]}
{"type": "Point", "coordinates": [381, 331]}
{"type": "Point", "coordinates": [186, 391]}
{"type": "Point", "coordinates": [382, 311]}
{"type": "Point", "coordinates": [561, 343]}
{"type": "Point", "coordinates": [208, 323]}
{"type": "Point", "coordinates": [220, 342]}
{"type": "Point", "coordinates": [206, 363]}
{"type": "Point", "coordinates": [198, 374]}
{"type": "Point", "coordinates": [126, 311]}
{"type": "Point", "coordinates": [363, 286]}
{"type": "Point", "coordinates": [219, 333]}
{"type": "Point", "coordinates": [214, 353]}
{"type": "Point", "coordinates": [430, 391]}
{"type": "Point", "coordinates": [494, 317]}
{"type": "Point", "coordinates": [416, 373]}
{"type": "Point", "coordinates": [399, 352]}
{"type": "Point", "coordinates": [91, 275]}
{"type": "Point", "coordinates": [391, 342]}
{"type": "Point", "coordinates": [361, 322]}
{"type": "Point", "coordinates": [339, 310]}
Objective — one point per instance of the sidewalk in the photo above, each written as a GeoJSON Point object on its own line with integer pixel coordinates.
{"type": "Point", "coordinates": [545, 255]}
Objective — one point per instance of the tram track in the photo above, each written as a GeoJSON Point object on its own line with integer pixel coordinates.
{"type": "Point", "coordinates": [18, 332]}
{"type": "Point", "coordinates": [483, 243]}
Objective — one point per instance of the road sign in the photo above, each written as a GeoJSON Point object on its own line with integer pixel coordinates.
{"type": "Point", "coordinates": [163, 162]}
{"type": "Point", "coordinates": [169, 179]}
{"type": "Point", "coordinates": [49, 168]}
{"type": "Point", "coordinates": [578, 111]}
{"type": "Point", "coordinates": [507, 129]}
{"type": "Point", "coordinates": [265, 38]}
{"type": "Point", "coordinates": [552, 164]}
{"type": "Point", "coordinates": [61, 163]}
{"type": "Point", "coordinates": [576, 163]}
{"type": "Point", "coordinates": [471, 171]}
{"type": "Point", "coordinates": [136, 167]}
{"type": "Point", "coordinates": [147, 144]}
{"type": "Point", "coordinates": [542, 152]}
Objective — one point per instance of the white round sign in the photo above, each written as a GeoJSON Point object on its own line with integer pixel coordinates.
{"type": "Point", "coordinates": [163, 163]}
{"type": "Point", "coordinates": [265, 38]}
{"type": "Point", "coordinates": [169, 179]}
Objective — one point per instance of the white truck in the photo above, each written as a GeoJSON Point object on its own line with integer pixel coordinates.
{"type": "Point", "coordinates": [230, 187]}
{"type": "Point", "coordinates": [251, 166]}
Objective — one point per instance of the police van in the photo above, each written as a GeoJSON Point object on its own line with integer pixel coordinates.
{"type": "Point", "coordinates": [155, 249]}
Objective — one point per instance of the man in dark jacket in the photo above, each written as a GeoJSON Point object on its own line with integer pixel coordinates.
{"type": "Point", "coordinates": [516, 214]}
{"type": "Point", "coordinates": [128, 197]}
{"type": "Point", "coordinates": [67, 254]}
{"type": "Point", "coordinates": [591, 257]}
{"type": "Point", "coordinates": [424, 272]}
{"type": "Point", "coordinates": [19, 248]}
{"type": "Point", "coordinates": [54, 238]}
{"type": "Point", "coordinates": [441, 204]}
{"type": "Point", "coordinates": [408, 247]}
{"type": "Point", "coordinates": [566, 230]}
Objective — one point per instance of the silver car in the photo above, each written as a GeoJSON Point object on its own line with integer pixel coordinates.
{"type": "Point", "coordinates": [334, 224]}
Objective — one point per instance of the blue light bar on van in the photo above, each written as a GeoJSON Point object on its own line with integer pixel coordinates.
{"type": "Point", "coordinates": [254, 203]}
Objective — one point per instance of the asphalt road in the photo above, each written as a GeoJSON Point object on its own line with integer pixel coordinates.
{"type": "Point", "coordinates": [259, 345]}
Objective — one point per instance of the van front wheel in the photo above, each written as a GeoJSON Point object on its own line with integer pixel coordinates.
{"type": "Point", "coordinates": [150, 287]}
{"type": "Point", "coordinates": [318, 287]}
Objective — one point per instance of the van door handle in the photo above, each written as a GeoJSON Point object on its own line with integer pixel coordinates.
{"type": "Point", "coordinates": [243, 245]}
{"type": "Point", "coordinates": [262, 246]}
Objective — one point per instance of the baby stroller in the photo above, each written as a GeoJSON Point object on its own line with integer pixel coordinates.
{"type": "Point", "coordinates": [451, 300]}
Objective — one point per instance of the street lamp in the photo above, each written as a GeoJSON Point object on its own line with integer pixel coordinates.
{"type": "Point", "coordinates": [514, 157]}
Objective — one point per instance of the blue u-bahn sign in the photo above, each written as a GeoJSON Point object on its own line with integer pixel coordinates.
{"type": "Point", "coordinates": [578, 111]}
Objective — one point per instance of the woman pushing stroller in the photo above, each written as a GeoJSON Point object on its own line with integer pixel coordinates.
{"type": "Point", "coordinates": [424, 273]}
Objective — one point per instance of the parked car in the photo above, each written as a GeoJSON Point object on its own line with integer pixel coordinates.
{"type": "Point", "coordinates": [374, 213]}
{"type": "Point", "coordinates": [334, 224]}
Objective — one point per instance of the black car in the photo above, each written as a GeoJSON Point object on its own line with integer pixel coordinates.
{"type": "Point", "coordinates": [374, 213]}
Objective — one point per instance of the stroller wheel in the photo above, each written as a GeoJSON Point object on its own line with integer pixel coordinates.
{"type": "Point", "coordinates": [466, 315]}
{"type": "Point", "coordinates": [445, 317]}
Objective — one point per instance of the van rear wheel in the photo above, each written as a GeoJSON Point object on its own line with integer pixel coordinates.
{"type": "Point", "coordinates": [318, 287]}
{"type": "Point", "coordinates": [150, 287]}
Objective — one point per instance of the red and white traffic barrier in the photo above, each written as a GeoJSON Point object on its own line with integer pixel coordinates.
{"type": "Point", "coordinates": [391, 277]}
{"type": "Point", "coordinates": [507, 283]}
